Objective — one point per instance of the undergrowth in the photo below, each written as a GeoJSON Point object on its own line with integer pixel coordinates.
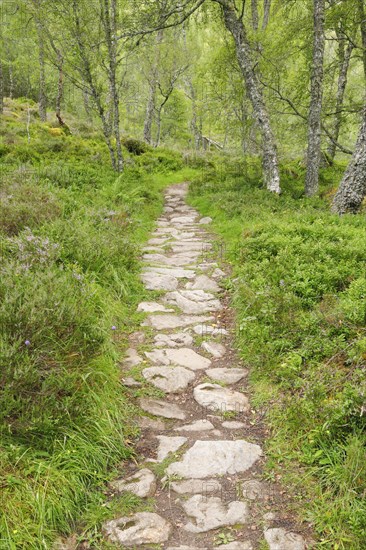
{"type": "Point", "coordinates": [70, 231]}
{"type": "Point", "coordinates": [299, 289]}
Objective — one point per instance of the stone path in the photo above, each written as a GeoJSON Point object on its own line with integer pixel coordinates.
{"type": "Point", "coordinates": [202, 433]}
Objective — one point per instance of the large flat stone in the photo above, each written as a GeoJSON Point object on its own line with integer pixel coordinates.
{"type": "Point", "coordinates": [194, 487]}
{"type": "Point", "coordinates": [196, 426]}
{"type": "Point", "coordinates": [184, 357]}
{"type": "Point", "coordinates": [169, 445]}
{"type": "Point", "coordinates": [227, 375]}
{"type": "Point", "coordinates": [177, 272]}
{"type": "Point", "coordinates": [202, 282]}
{"type": "Point", "coordinates": [169, 321]}
{"type": "Point", "coordinates": [162, 408]}
{"type": "Point", "coordinates": [176, 340]}
{"type": "Point", "coordinates": [193, 301]}
{"type": "Point", "coordinates": [214, 349]}
{"type": "Point", "coordinates": [213, 458]}
{"type": "Point", "coordinates": [220, 399]}
{"type": "Point", "coordinates": [280, 539]}
{"type": "Point", "coordinates": [140, 528]}
{"type": "Point", "coordinates": [182, 259]}
{"type": "Point", "coordinates": [204, 330]}
{"type": "Point", "coordinates": [132, 358]}
{"type": "Point", "coordinates": [209, 513]}
{"type": "Point", "coordinates": [142, 484]}
{"type": "Point", "coordinates": [169, 379]}
{"type": "Point", "coordinates": [153, 281]}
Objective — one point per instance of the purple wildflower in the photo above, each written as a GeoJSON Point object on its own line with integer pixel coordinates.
{"type": "Point", "coordinates": [114, 328]}
{"type": "Point", "coordinates": [27, 343]}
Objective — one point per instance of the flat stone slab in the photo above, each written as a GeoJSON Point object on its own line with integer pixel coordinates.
{"type": "Point", "coordinates": [220, 399]}
{"type": "Point", "coordinates": [202, 282]}
{"type": "Point", "coordinates": [154, 281]}
{"type": "Point", "coordinates": [131, 382]}
{"type": "Point", "coordinates": [214, 349]}
{"type": "Point", "coordinates": [188, 246]}
{"type": "Point", "coordinates": [196, 426]}
{"type": "Point", "coordinates": [194, 487]}
{"type": "Point", "coordinates": [147, 423]}
{"type": "Point", "coordinates": [132, 358]}
{"type": "Point", "coordinates": [183, 219]}
{"type": "Point", "coordinates": [169, 445]}
{"type": "Point", "coordinates": [177, 340]}
{"type": "Point", "coordinates": [214, 458]}
{"type": "Point", "coordinates": [242, 545]}
{"type": "Point", "coordinates": [206, 220]}
{"type": "Point", "coordinates": [169, 379]}
{"type": "Point", "coordinates": [142, 484]}
{"type": "Point", "coordinates": [253, 489]}
{"type": "Point", "coordinates": [210, 513]}
{"type": "Point", "coordinates": [280, 539]}
{"type": "Point", "coordinates": [169, 321]}
{"type": "Point", "coordinates": [184, 357]}
{"type": "Point", "coordinates": [227, 375]}
{"type": "Point", "coordinates": [218, 273]}
{"type": "Point", "coordinates": [233, 425]}
{"type": "Point", "coordinates": [177, 272]}
{"type": "Point", "coordinates": [182, 259]}
{"type": "Point", "coordinates": [140, 528]}
{"type": "Point", "coordinates": [162, 408]}
{"type": "Point", "coordinates": [152, 307]}
{"type": "Point", "coordinates": [204, 330]}
{"type": "Point", "coordinates": [193, 301]}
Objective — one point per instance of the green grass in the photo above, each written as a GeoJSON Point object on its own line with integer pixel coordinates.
{"type": "Point", "coordinates": [299, 290]}
{"type": "Point", "coordinates": [70, 236]}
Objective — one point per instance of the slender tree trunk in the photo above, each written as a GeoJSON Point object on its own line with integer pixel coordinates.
{"type": "Point", "coordinates": [344, 60]}
{"type": "Point", "coordinates": [244, 56]}
{"type": "Point", "coordinates": [60, 87]}
{"type": "Point", "coordinates": [266, 13]}
{"type": "Point", "coordinates": [352, 189]}
{"type": "Point", "coordinates": [362, 16]}
{"type": "Point", "coordinates": [255, 16]}
{"type": "Point", "coordinates": [42, 71]}
{"type": "Point", "coordinates": [150, 107]}
{"type": "Point", "coordinates": [110, 25]}
{"type": "Point", "coordinates": [314, 124]}
{"type": "Point", "coordinates": [158, 126]}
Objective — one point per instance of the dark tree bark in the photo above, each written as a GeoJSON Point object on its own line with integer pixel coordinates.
{"type": "Point", "coordinates": [314, 124]}
{"type": "Point", "coordinates": [352, 189]}
{"type": "Point", "coordinates": [344, 55]}
{"type": "Point", "coordinates": [245, 59]}
{"type": "Point", "coordinates": [266, 13]}
{"type": "Point", "coordinates": [255, 16]}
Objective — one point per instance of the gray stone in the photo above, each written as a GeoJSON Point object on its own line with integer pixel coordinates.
{"type": "Point", "coordinates": [196, 426]}
{"type": "Point", "coordinates": [253, 489]}
{"type": "Point", "coordinates": [132, 358]}
{"type": "Point", "coordinates": [227, 375]}
{"type": "Point", "coordinates": [169, 379]}
{"type": "Point", "coordinates": [177, 340]}
{"type": "Point", "coordinates": [183, 219]}
{"type": "Point", "coordinates": [131, 382]}
{"type": "Point", "coordinates": [142, 484]}
{"type": "Point", "coordinates": [213, 458]}
{"type": "Point", "coordinates": [154, 281]}
{"type": "Point", "coordinates": [152, 307]}
{"type": "Point", "coordinates": [169, 445]}
{"type": "Point", "coordinates": [141, 528]}
{"type": "Point", "coordinates": [214, 349]}
{"type": "Point", "coordinates": [194, 487]}
{"type": "Point", "coordinates": [177, 272]}
{"type": "Point", "coordinates": [158, 241]}
{"type": "Point", "coordinates": [202, 282]}
{"type": "Point", "coordinates": [233, 425]}
{"type": "Point", "coordinates": [162, 408]}
{"type": "Point", "coordinates": [205, 221]}
{"type": "Point", "coordinates": [169, 321]}
{"type": "Point", "coordinates": [184, 357]}
{"type": "Point", "coordinates": [280, 539]}
{"type": "Point", "coordinates": [187, 548]}
{"type": "Point", "coordinates": [218, 273]}
{"type": "Point", "coordinates": [239, 545]}
{"type": "Point", "coordinates": [179, 260]}
{"type": "Point", "coordinates": [210, 513]}
{"type": "Point", "coordinates": [204, 330]}
{"type": "Point", "coordinates": [151, 424]}
{"type": "Point", "coordinates": [193, 301]}
{"type": "Point", "coordinates": [220, 399]}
